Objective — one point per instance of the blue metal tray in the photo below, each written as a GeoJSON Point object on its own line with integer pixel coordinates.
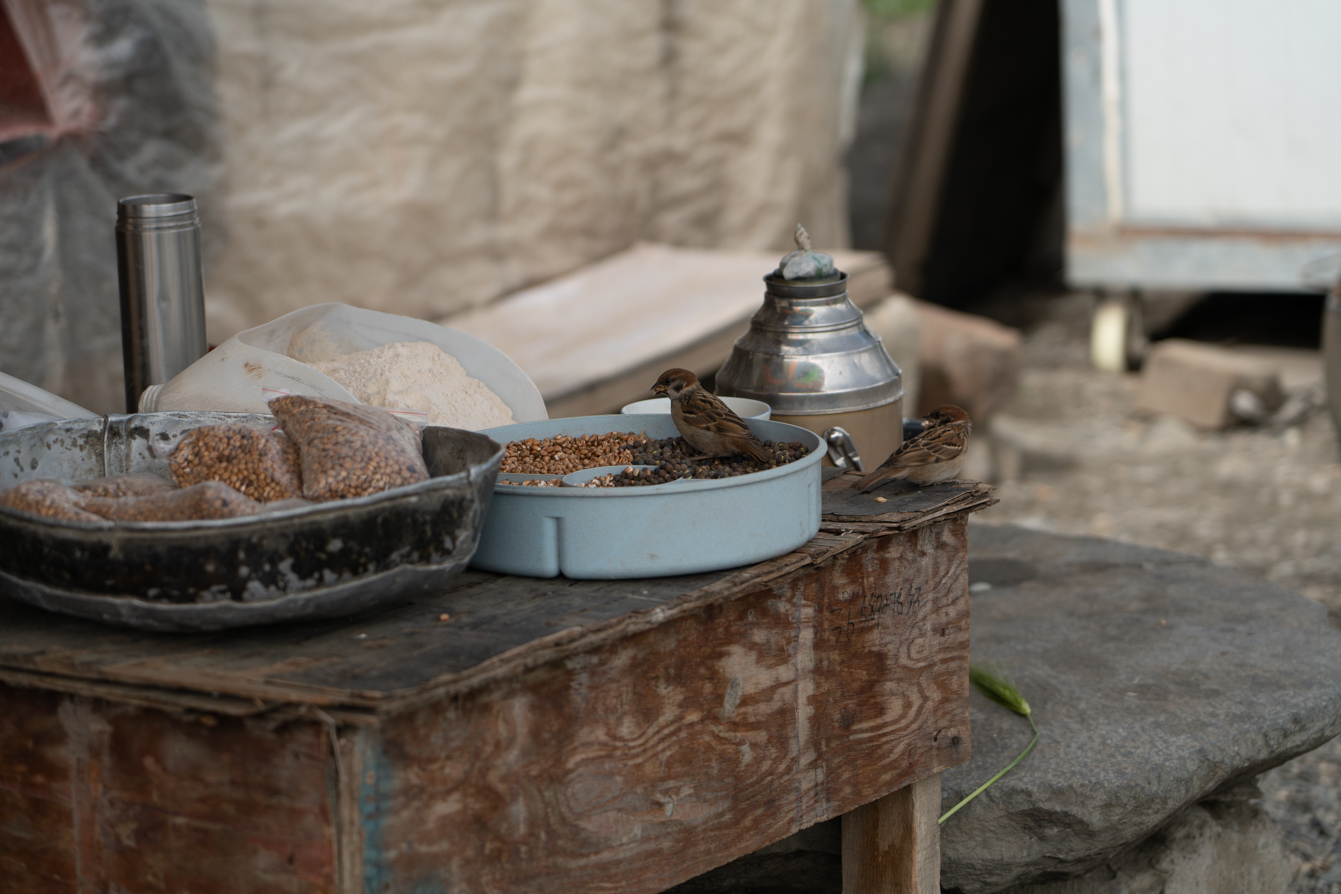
{"type": "Point", "coordinates": [681, 527]}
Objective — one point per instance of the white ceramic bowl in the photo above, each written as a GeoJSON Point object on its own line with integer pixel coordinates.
{"type": "Point", "coordinates": [744, 407]}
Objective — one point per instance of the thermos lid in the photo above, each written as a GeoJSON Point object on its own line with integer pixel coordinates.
{"type": "Point", "coordinates": [163, 210]}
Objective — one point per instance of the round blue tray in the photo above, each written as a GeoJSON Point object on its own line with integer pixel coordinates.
{"type": "Point", "coordinates": [681, 527]}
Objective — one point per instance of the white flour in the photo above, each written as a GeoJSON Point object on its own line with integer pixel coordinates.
{"type": "Point", "coordinates": [417, 375]}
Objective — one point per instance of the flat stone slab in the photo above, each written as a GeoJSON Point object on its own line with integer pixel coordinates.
{"type": "Point", "coordinates": [1156, 680]}
{"type": "Point", "coordinates": [1215, 846]}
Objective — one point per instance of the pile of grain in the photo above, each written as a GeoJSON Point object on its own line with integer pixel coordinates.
{"type": "Point", "coordinates": [262, 464]}
{"type": "Point", "coordinates": [564, 454]}
{"type": "Point", "coordinates": [48, 498]}
{"type": "Point", "coordinates": [417, 375]}
{"type": "Point", "coordinates": [347, 450]}
{"type": "Point", "coordinates": [107, 498]}
{"type": "Point", "coordinates": [207, 500]}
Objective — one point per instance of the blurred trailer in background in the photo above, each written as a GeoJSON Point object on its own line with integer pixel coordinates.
{"type": "Point", "coordinates": [1136, 148]}
{"type": "Point", "coordinates": [1202, 151]}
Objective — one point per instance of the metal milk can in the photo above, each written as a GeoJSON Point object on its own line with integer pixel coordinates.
{"type": "Point", "coordinates": [811, 358]}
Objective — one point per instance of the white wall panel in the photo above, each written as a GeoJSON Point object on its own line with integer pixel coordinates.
{"type": "Point", "coordinates": [1231, 113]}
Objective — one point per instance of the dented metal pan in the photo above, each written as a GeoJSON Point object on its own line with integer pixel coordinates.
{"type": "Point", "coordinates": [310, 562]}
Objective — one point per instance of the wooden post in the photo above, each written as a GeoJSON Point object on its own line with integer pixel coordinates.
{"type": "Point", "coordinates": [929, 140]}
{"type": "Point", "coordinates": [893, 844]}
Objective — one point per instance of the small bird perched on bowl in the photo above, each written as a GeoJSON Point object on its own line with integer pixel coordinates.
{"type": "Point", "coordinates": [929, 457]}
{"type": "Point", "coordinates": [710, 426]}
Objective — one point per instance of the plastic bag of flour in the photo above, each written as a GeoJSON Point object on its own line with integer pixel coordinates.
{"type": "Point", "coordinates": [235, 375]}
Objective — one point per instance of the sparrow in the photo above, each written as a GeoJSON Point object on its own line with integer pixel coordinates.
{"type": "Point", "coordinates": [707, 424]}
{"type": "Point", "coordinates": [929, 457]}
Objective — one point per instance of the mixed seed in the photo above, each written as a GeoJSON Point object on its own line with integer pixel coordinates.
{"type": "Point", "coordinates": [671, 457]}
{"type": "Point", "coordinates": [674, 458]}
{"type": "Point", "coordinates": [565, 454]}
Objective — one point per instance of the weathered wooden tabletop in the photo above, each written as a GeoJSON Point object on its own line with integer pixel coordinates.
{"type": "Point", "coordinates": [387, 660]}
{"type": "Point", "coordinates": [545, 712]}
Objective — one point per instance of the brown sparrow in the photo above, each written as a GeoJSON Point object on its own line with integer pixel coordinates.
{"type": "Point", "coordinates": [929, 457]}
{"type": "Point", "coordinates": [710, 426]}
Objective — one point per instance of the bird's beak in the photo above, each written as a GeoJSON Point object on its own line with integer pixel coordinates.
{"type": "Point", "coordinates": [658, 388]}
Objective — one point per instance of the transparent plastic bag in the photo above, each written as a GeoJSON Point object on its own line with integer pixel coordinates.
{"type": "Point", "coordinates": [129, 104]}
{"type": "Point", "coordinates": [47, 498]}
{"type": "Point", "coordinates": [417, 418]}
{"type": "Point", "coordinates": [349, 450]}
{"type": "Point", "coordinates": [22, 404]}
{"type": "Point", "coordinates": [200, 502]}
{"type": "Point", "coordinates": [236, 376]}
{"type": "Point", "coordinates": [257, 462]}
{"type": "Point", "coordinates": [134, 485]}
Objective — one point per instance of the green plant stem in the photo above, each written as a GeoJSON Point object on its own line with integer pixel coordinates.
{"type": "Point", "coordinates": [982, 788]}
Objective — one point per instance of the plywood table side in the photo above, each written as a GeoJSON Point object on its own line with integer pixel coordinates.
{"type": "Point", "coordinates": [555, 735]}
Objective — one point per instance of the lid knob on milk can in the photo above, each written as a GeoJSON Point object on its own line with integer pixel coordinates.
{"type": "Point", "coordinates": [805, 263]}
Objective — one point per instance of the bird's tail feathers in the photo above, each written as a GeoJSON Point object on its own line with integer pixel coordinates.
{"type": "Point", "coordinates": [871, 480]}
{"type": "Point", "coordinates": [756, 451]}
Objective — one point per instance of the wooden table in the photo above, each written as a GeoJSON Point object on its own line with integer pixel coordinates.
{"type": "Point", "coordinates": [508, 734]}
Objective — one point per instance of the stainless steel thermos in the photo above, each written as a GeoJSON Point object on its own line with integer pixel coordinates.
{"type": "Point", "coordinates": [162, 289]}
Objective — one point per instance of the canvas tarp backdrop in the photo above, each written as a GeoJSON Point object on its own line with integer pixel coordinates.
{"type": "Point", "coordinates": [410, 156]}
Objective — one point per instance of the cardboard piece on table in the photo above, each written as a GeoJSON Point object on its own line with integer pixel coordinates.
{"type": "Point", "coordinates": [598, 337]}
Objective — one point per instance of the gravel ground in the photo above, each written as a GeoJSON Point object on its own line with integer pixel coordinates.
{"type": "Point", "coordinates": [1071, 455]}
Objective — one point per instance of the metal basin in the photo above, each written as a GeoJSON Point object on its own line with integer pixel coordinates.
{"type": "Point", "coordinates": [310, 562]}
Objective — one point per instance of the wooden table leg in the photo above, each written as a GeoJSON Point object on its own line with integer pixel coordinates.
{"type": "Point", "coordinates": [893, 845]}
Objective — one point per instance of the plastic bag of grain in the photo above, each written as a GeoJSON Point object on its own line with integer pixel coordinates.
{"type": "Point", "coordinates": [349, 450]}
{"type": "Point", "coordinates": [255, 461]}
{"type": "Point", "coordinates": [134, 485]}
{"type": "Point", "coordinates": [47, 498]}
{"type": "Point", "coordinates": [200, 502]}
